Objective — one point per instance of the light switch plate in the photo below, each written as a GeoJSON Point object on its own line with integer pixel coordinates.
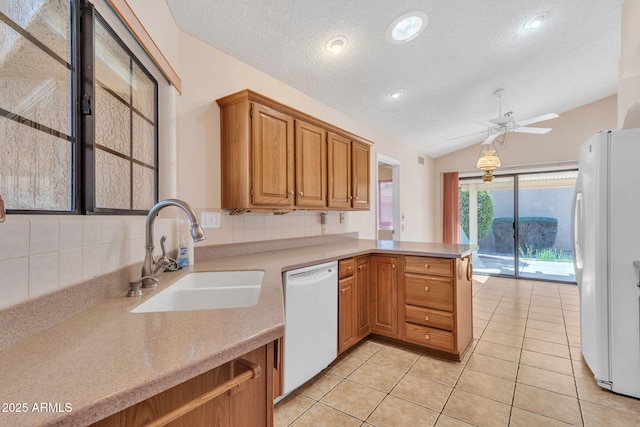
{"type": "Point", "coordinates": [210, 219]}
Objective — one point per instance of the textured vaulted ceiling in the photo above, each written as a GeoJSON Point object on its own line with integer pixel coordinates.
{"type": "Point", "coordinates": [469, 49]}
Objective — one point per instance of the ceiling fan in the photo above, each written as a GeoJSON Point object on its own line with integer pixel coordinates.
{"type": "Point", "coordinates": [505, 123]}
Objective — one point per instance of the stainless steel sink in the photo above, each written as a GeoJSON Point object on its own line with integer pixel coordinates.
{"type": "Point", "coordinates": [207, 290]}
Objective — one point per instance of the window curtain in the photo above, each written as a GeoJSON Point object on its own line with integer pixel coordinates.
{"type": "Point", "coordinates": [450, 210]}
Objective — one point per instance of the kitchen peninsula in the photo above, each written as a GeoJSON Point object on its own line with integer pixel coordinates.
{"type": "Point", "coordinates": [105, 359]}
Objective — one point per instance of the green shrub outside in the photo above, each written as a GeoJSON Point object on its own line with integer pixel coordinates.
{"type": "Point", "coordinates": [485, 212]}
{"type": "Point", "coordinates": [534, 233]}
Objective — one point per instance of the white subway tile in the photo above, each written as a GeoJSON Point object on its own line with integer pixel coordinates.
{"type": "Point", "coordinates": [109, 256]}
{"type": "Point", "coordinates": [136, 251]}
{"type": "Point", "coordinates": [70, 234]}
{"type": "Point", "coordinates": [91, 232]}
{"type": "Point", "coordinates": [44, 237]}
{"type": "Point", "coordinates": [14, 280]}
{"type": "Point", "coordinates": [114, 230]}
{"type": "Point", "coordinates": [137, 227]}
{"type": "Point", "coordinates": [91, 262]}
{"type": "Point", "coordinates": [70, 269]}
{"type": "Point", "coordinates": [14, 235]}
{"type": "Point", "coordinates": [43, 274]}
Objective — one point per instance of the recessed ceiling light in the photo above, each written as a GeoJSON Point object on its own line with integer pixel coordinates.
{"type": "Point", "coordinates": [535, 22]}
{"type": "Point", "coordinates": [407, 27]}
{"type": "Point", "coordinates": [395, 94]}
{"type": "Point", "coordinates": [336, 44]}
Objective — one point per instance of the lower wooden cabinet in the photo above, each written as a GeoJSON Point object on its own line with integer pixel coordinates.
{"type": "Point", "coordinates": [353, 301]}
{"type": "Point", "coordinates": [384, 298]}
{"type": "Point", "coordinates": [242, 394]}
{"type": "Point", "coordinates": [363, 296]}
{"type": "Point", "coordinates": [436, 312]}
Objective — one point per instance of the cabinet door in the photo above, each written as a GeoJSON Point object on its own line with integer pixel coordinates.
{"type": "Point", "coordinates": [363, 295]}
{"type": "Point", "coordinates": [384, 310]}
{"type": "Point", "coordinates": [346, 314]}
{"type": "Point", "coordinates": [272, 157]}
{"type": "Point", "coordinates": [311, 166]}
{"type": "Point", "coordinates": [339, 165]}
{"type": "Point", "coordinates": [360, 175]}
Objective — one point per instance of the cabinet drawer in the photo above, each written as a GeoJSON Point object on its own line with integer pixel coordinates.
{"type": "Point", "coordinates": [429, 337]}
{"type": "Point", "coordinates": [346, 267]}
{"type": "Point", "coordinates": [428, 265]}
{"type": "Point", "coordinates": [428, 317]}
{"type": "Point", "coordinates": [429, 292]}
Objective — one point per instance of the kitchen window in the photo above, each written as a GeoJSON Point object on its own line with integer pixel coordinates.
{"type": "Point", "coordinates": [78, 113]}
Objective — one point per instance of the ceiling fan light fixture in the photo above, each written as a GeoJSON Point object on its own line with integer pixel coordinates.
{"type": "Point", "coordinates": [336, 44]}
{"type": "Point", "coordinates": [488, 161]}
{"type": "Point", "coordinates": [407, 27]}
{"type": "Point", "coordinates": [537, 21]}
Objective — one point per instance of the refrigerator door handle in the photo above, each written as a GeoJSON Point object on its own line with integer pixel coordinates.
{"type": "Point", "coordinates": [577, 233]}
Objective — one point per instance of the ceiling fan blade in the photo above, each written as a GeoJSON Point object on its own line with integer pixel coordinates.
{"type": "Point", "coordinates": [470, 139]}
{"type": "Point", "coordinates": [492, 138]}
{"type": "Point", "coordinates": [539, 131]}
{"type": "Point", "coordinates": [537, 119]}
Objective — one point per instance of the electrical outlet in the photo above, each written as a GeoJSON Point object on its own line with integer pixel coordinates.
{"type": "Point", "coordinates": [210, 219]}
{"type": "Point", "coordinates": [341, 218]}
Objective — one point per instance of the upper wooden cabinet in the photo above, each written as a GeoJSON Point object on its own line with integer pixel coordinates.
{"type": "Point", "coordinates": [272, 148]}
{"type": "Point", "coordinates": [349, 173]}
{"type": "Point", "coordinates": [311, 165]}
{"type": "Point", "coordinates": [277, 158]}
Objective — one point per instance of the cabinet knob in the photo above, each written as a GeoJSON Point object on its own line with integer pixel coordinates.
{"type": "Point", "coordinates": [343, 290]}
{"type": "Point", "coordinates": [291, 193]}
{"type": "Point", "coordinates": [393, 266]}
{"type": "Point", "coordinates": [426, 337]}
{"type": "Point", "coordinates": [301, 194]}
{"type": "Point", "coordinates": [426, 289]}
{"type": "Point", "coordinates": [349, 268]}
{"type": "Point", "coordinates": [426, 317]}
{"type": "Point", "coordinates": [360, 267]}
{"type": "Point", "coordinates": [350, 198]}
{"type": "Point", "coordinates": [426, 266]}
{"type": "Point", "coordinates": [355, 198]}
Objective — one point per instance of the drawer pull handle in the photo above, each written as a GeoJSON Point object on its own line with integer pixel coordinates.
{"type": "Point", "coordinates": [426, 317]}
{"type": "Point", "coordinates": [426, 266]}
{"type": "Point", "coordinates": [426, 289]}
{"type": "Point", "coordinates": [426, 337]}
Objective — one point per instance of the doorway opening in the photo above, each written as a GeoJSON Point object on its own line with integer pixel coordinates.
{"type": "Point", "coordinates": [389, 217]}
{"type": "Point", "coordinates": [521, 223]}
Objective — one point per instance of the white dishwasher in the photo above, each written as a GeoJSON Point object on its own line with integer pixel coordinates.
{"type": "Point", "coordinates": [311, 323]}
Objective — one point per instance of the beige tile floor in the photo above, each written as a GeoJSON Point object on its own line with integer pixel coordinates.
{"type": "Point", "coordinates": [525, 369]}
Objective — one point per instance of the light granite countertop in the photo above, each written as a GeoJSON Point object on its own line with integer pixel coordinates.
{"type": "Point", "coordinates": [105, 359]}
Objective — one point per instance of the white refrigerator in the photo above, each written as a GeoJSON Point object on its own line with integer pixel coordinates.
{"type": "Point", "coordinates": [606, 245]}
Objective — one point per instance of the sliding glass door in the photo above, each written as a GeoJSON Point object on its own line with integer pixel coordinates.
{"type": "Point", "coordinates": [521, 224]}
{"type": "Point", "coordinates": [485, 209]}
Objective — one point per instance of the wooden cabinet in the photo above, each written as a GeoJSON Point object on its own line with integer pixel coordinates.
{"type": "Point", "coordinates": [311, 165]}
{"type": "Point", "coordinates": [363, 296]}
{"type": "Point", "coordinates": [339, 149]}
{"type": "Point", "coordinates": [256, 156]}
{"type": "Point", "coordinates": [242, 394]}
{"type": "Point", "coordinates": [353, 301]}
{"type": "Point", "coordinates": [384, 298]}
{"type": "Point", "coordinates": [346, 313]}
{"type": "Point", "coordinates": [436, 310]}
{"type": "Point", "coordinates": [349, 173]}
{"type": "Point", "coordinates": [275, 158]}
{"type": "Point", "coordinates": [360, 175]}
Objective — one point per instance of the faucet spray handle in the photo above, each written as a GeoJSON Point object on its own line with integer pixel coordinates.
{"type": "Point", "coordinates": [135, 285]}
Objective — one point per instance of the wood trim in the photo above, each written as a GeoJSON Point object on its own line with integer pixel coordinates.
{"type": "Point", "coordinates": [252, 96]}
{"type": "Point", "coordinates": [450, 207]}
{"type": "Point", "coordinates": [128, 16]}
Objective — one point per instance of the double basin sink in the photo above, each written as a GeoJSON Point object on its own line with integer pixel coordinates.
{"type": "Point", "coordinates": [205, 290]}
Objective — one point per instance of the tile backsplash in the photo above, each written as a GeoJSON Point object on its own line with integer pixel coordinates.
{"type": "Point", "coordinates": [41, 254]}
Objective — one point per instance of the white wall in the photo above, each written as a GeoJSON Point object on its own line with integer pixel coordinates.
{"type": "Point", "coordinates": [629, 66]}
